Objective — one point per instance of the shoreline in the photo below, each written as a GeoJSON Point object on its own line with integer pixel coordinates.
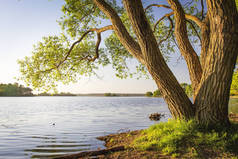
{"type": "Point", "coordinates": [119, 146]}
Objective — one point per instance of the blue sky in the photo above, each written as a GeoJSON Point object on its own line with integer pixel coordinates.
{"type": "Point", "coordinates": [24, 22]}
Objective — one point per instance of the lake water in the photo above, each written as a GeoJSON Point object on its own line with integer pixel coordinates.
{"type": "Point", "coordinates": [42, 127]}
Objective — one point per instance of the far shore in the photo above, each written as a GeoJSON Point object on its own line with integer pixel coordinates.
{"type": "Point", "coordinates": [94, 95]}
{"type": "Point", "coordinates": [85, 95]}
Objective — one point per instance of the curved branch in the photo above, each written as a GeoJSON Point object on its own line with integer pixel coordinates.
{"type": "Point", "coordinates": [156, 5]}
{"type": "Point", "coordinates": [202, 13]}
{"type": "Point", "coordinates": [195, 19]}
{"type": "Point", "coordinates": [166, 15]}
{"type": "Point", "coordinates": [89, 58]}
{"type": "Point", "coordinates": [170, 31]}
{"type": "Point", "coordinates": [99, 31]}
{"type": "Point", "coordinates": [97, 48]}
{"type": "Point", "coordinates": [195, 30]}
{"type": "Point", "coordinates": [187, 16]}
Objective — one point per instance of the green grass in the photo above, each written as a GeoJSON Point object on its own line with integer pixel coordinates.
{"type": "Point", "coordinates": [179, 137]}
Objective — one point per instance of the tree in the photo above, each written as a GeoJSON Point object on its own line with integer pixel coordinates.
{"type": "Point", "coordinates": [157, 93]}
{"type": "Point", "coordinates": [56, 59]}
{"type": "Point", "coordinates": [149, 94]}
{"type": "Point", "coordinates": [14, 90]}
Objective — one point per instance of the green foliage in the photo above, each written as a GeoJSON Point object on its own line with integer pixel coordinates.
{"type": "Point", "coordinates": [149, 94]}
{"type": "Point", "coordinates": [157, 93]}
{"type": "Point", "coordinates": [234, 85]}
{"type": "Point", "coordinates": [56, 94]}
{"type": "Point", "coordinates": [237, 4]}
{"type": "Point", "coordinates": [81, 15]}
{"type": "Point", "coordinates": [110, 94]}
{"type": "Point", "coordinates": [41, 70]}
{"type": "Point", "coordinates": [14, 90]}
{"type": "Point", "coordinates": [175, 137]}
{"type": "Point", "coordinates": [187, 88]}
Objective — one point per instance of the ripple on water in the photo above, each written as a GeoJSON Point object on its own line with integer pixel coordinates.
{"type": "Point", "coordinates": [27, 129]}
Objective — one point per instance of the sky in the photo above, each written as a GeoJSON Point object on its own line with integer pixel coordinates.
{"type": "Point", "coordinates": [25, 22]}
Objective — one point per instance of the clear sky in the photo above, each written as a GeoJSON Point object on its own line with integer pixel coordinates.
{"type": "Point", "coordinates": [24, 22]}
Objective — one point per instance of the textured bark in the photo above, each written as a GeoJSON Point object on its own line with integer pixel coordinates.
{"type": "Point", "coordinates": [185, 47]}
{"type": "Point", "coordinates": [205, 32]}
{"type": "Point", "coordinates": [212, 99]}
{"type": "Point", "coordinates": [178, 102]}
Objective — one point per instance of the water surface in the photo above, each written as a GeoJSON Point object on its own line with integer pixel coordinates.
{"type": "Point", "coordinates": [41, 127]}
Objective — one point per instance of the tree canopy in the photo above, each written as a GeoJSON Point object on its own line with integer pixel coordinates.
{"type": "Point", "coordinates": [14, 90]}
{"type": "Point", "coordinates": [64, 58]}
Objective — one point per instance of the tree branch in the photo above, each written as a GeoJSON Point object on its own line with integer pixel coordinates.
{"type": "Point", "coordinates": [187, 16]}
{"type": "Point", "coordinates": [194, 19]}
{"type": "Point", "coordinates": [156, 5]}
{"type": "Point", "coordinates": [185, 47]}
{"type": "Point", "coordinates": [166, 15]}
{"type": "Point", "coordinates": [195, 30]}
{"type": "Point", "coordinates": [202, 13]}
{"type": "Point", "coordinates": [127, 41]}
{"type": "Point", "coordinates": [89, 58]}
{"type": "Point", "coordinates": [170, 31]}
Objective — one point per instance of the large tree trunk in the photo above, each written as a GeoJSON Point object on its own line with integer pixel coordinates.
{"type": "Point", "coordinates": [179, 104]}
{"type": "Point", "coordinates": [213, 96]}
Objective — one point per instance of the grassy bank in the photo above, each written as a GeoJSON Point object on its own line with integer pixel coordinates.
{"type": "Point", "coordinates": [187, 139]}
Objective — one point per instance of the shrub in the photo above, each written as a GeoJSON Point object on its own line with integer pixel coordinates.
{"type": "Point", "coordinates": [149, 94]}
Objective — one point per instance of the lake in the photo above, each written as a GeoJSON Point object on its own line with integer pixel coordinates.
{"type": "Point", "coordinates": [42, 127]}
{"type": "Point", "coordinates": [38, 127]}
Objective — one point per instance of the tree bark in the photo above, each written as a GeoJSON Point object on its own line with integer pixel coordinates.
{"type": "Point", "coordinates": [185, 47]}
{"type": "Point", "coordinates": [179, 104]}
{"type": "Point", "coordinates": [205, 32]}
{"type": "Point", "coordinates": [214, 90]}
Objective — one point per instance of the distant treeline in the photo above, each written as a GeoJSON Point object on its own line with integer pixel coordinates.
{"type": "Point", "coordinates": [121, 94]}
{"type": "Point", "coordinates": [15, 90]}
{"type": "Point", "coordinates": [56, 94]}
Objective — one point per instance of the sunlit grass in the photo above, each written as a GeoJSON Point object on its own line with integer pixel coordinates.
{"type": "Point", "coordinates": [178, 137]}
